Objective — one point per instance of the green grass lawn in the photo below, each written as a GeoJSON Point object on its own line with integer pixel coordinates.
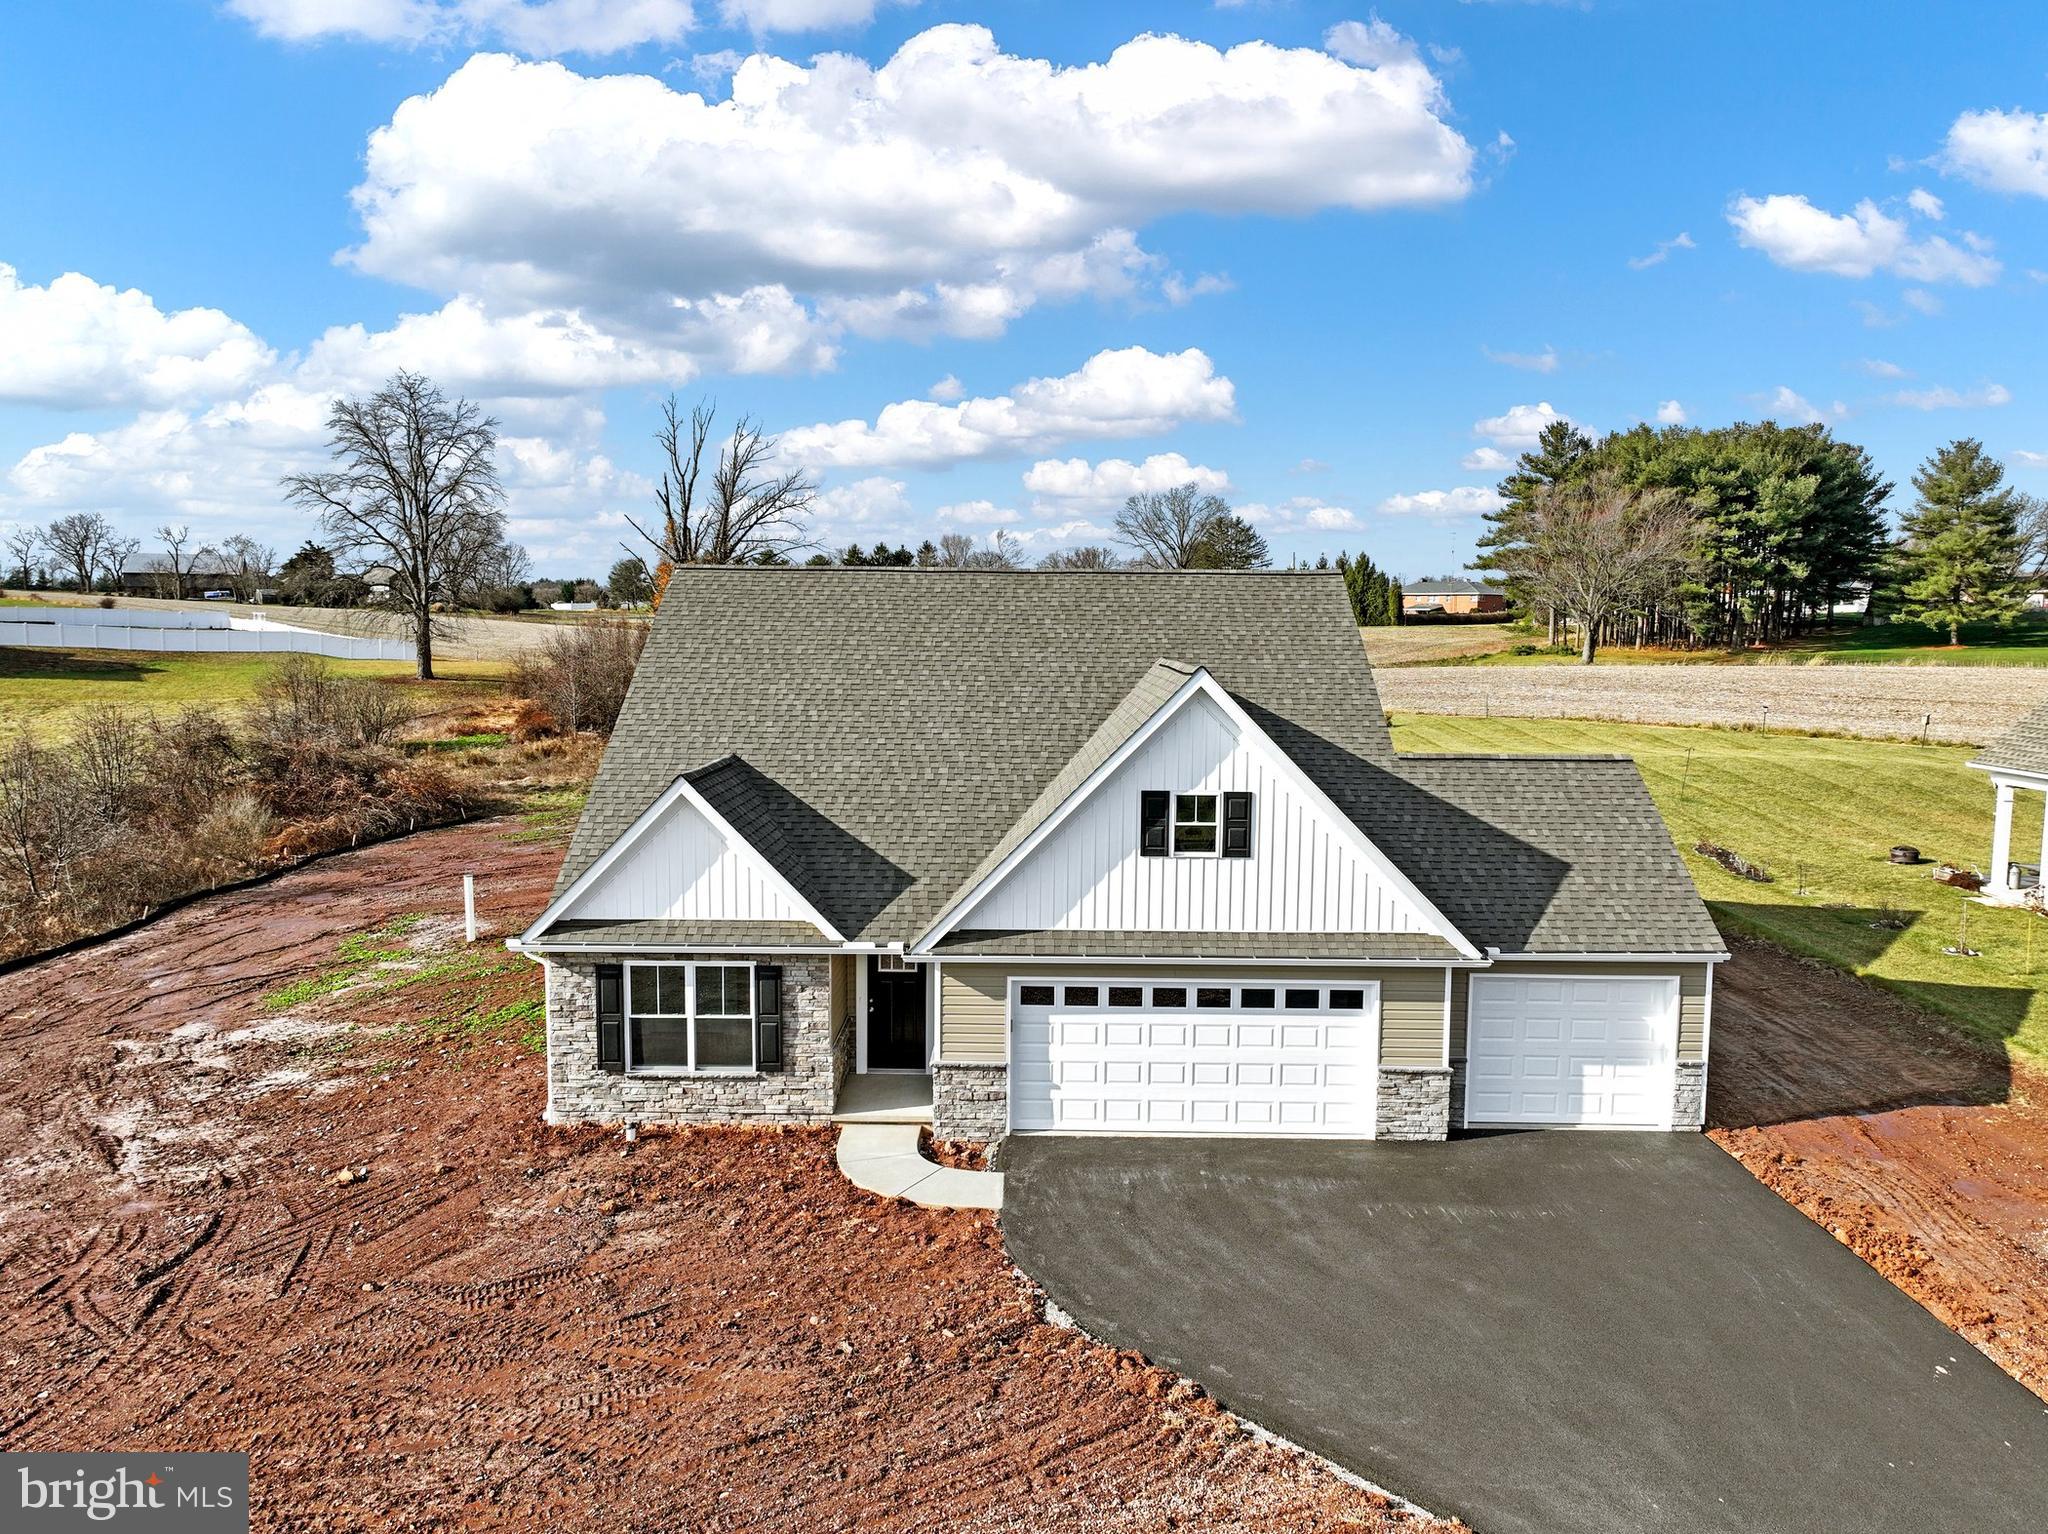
{"type": "Point", "coordinates": [1820, 814]}
{"type": "Point", "coordinates": [49, 688]}
{"type": "Point", "coordinates": [1888, 644]}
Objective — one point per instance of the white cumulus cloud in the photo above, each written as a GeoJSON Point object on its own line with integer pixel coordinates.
{"type": "Point", "coordinates": [1486, 459]}
{"type": "Point", "coordinates": [1518, 427]}
{"type": "Point", "coordinates": [1127, 393]}
{"type": "Point", "coordinates": [1443, 505]}
{"type": "Point", "coordinates": [80, 343]}
{"type": "Point", "coordinates": [2004, 151]}
{"type": "Point", "coordinates": [1787, 405]}
{"type": "Point", "coordinates": [943, 191]}
{"type": "Point", "coordinates": [1671, 413]}
{"type": "Point", "coordinates": [1113, 480]}
{"type": "Point", "coordinates": [1793, 233]}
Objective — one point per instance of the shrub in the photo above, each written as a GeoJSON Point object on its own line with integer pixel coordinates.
{"type": "Point", "coordinates": [579, 677]}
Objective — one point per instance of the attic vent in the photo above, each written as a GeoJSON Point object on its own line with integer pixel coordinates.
{"type": "Point", "coordinates": [893, 964]}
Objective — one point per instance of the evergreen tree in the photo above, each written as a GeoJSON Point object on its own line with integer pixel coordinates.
{"type": "Point", "coordinates": [1961, 554]}
{"type": "Point", "coordinates": [1561, 451]}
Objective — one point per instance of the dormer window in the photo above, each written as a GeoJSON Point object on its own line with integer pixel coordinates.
{"type": "Point", "coordinates": [1194, 825]}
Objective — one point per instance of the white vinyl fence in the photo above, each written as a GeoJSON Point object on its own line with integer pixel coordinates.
{"type": "Point", "coordinates": [121, 631]}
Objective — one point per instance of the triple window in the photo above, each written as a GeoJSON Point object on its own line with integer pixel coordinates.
{"type": "Point", "coordinates": [690, 1017]}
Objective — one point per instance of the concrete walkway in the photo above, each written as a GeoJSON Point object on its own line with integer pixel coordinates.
{"type": "Point", "coordinates": [884, 1159]}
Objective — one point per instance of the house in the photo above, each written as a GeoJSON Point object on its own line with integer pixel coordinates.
{"type": "Point", "coordinates": [1124, 851]}
{"type": "Point", "coordinates": [1452, 596]}
{"type": "Point", "coordinates": [2016, 763]}
{"type": "Point", "coordinates": [196, 585]}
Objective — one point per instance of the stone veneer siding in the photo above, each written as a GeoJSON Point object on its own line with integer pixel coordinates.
{"type": "Point", "coordinates": [1414, 1103]}
{"type": "Point", "coordinates": [970, 1102]}
{"type": "Point", "coordinates": [1689, 1096]}
{"type": "Point", "coordinates": [802, 1092]}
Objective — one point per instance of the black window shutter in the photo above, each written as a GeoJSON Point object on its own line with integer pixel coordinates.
{"type": "Point", "coordinates": [611, 1017]}
{"type": "Point", "coordinates": [768, 1017]}
{"type": "Point", "coordinates": [1154, 804]}
{"type": "Point", "coordinates": [1237, 825]}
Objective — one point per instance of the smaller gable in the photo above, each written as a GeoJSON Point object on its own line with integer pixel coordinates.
{"type": "Point", "coordinates": [684, 861]}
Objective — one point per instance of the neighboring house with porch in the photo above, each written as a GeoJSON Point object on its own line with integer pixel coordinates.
{"type": "Point", "coordinates": [1452, 596]}
{"type": "Point", "coordinates": [2017, 763]}
{"type": "Point", "coordinates": [1124, 851]}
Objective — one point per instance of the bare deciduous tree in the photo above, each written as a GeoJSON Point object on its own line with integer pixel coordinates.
{"type": "Point", "coordinates": [415, 484]}
{"type": "Point", "coordinates": [753, 509]}
{"type": "Point", "coordinates": [117, 556]}
{"type": "Point", "coordinates": [1168, 529]}
{"type": "Point", "coordinates": [1598, 549]}
{"type": "Point", "coordinates": [171, 566]}
{"type": "Point", "coordinates": [246, 563]}
{"type": "Point", "coordinates": [78, 541]}
{"type": "Point", "coordinates": [24, 544]}
{"type": "Point", "coordinates": [1089, 556]}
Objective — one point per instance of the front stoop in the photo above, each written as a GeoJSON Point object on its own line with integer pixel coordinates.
{"type": "Point", "coordinates": [884, 1159]}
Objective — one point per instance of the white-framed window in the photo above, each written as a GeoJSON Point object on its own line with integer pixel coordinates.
{"type": "Point", "coordinates": [695, 1018]}
{"type": "Point", "coordinates": [1194, 825]}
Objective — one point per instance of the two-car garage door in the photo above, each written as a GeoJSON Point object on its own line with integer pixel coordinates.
{"type": "Point", "coordinates": [1586, 1050]}
{"type": "Point", "coordinates": [1194, 1056]}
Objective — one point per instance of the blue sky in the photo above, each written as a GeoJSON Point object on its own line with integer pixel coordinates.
{"type": "Point", "coordinates": [999, 277]}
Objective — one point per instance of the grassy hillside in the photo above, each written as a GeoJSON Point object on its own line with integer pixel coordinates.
{"type": "Point", "coordinates": [46, 688]}
{"type": "Point", "coordinates": [1820, 814]}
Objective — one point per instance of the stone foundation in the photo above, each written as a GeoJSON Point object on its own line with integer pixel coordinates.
{"type": "Point", "coordinates": [1689, 1097]}
{"type": "Point", "coordinates": [803, 1092]}
{"type": "Point", "coordinates": [970, 1102]}
{"type": "Point", "coordinates": [1414, 1103]}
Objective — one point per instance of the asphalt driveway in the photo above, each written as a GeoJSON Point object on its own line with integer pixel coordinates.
{"type": "Point", "coordinates": [1545, 1332]}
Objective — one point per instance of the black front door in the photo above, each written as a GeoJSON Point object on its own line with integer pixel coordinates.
{"type": "Point", "coordinates": [895, 1018]}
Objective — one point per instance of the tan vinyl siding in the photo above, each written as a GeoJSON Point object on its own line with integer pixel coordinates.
{"type": "Point", "coordinates": [974, 1000]}
{"type": "Point", "coordinates": [1411, 1016]}
{"type": "Point", "coordinates": [1693, 981]}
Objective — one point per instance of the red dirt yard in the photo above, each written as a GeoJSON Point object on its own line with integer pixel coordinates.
{"type": "Point", "coordinates": [276, 1181]}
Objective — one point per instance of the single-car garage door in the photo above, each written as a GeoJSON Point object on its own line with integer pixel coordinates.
{"type": "Point", "coordinates": [1194, 1057]}
{"type": "Point", "coordinates": [1565, 1049]}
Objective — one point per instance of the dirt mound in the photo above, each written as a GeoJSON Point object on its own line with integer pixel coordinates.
{"type": "Point", "coordinates": [278, 1183]}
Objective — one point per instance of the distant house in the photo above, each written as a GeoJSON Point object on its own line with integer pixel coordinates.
{"type": "Point", "coordinates": [378, 580]}
{"type": "Point", "coordinates": [197, 585]}
{"type": "Point", "coordinates": [1453, 596]}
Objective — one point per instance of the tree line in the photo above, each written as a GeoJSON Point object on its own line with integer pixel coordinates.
{"type": "Point", "coordinates": [1746, 534]}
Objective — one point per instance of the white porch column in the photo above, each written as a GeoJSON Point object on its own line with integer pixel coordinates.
{"type": "Point", "coordinates": [2001, 843]}
{"type": "Point", "coordinates": [2041, 885]}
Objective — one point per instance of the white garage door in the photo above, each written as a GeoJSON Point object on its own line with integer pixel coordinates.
{"type": "Point", "coordinates": [1571, 1050]}
{"type": "Point", "coordinates": [1194, 1057]}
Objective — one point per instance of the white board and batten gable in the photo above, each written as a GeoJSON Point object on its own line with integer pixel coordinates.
{"type": "Point", "coordinates": [682, 861]}
{"type": "Point", "coordinates": [1310, 868]}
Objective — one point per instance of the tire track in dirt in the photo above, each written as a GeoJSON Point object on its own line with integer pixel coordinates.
{"type": "Point", "coordinates": [1925, 1156]}
{"type": "Point", "coordinates": [511, 1325]}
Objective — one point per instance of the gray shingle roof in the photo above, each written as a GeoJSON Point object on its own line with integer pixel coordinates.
{"type": "Point", "coordinates": [1531, 854]}
{"type": "Point", "coordinates": [880, 734]}
{"type": "Point", "coordinates": [963, 942]}
{"type": "Point", "coordinates": [2024, 748]}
